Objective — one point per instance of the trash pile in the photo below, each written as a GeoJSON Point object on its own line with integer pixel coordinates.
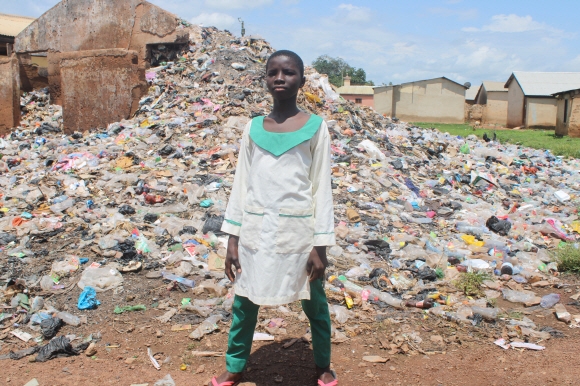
{"type": "Point", "coordinates": [428, 225]}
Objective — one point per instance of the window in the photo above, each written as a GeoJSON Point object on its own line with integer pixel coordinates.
{"type": "Point", "coordinates": [358, 100]}
{"type": "Point", "coordinates": [565, 110]}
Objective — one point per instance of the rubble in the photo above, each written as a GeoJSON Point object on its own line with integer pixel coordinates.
{"type": "Point", "coordinates": [143, 199]}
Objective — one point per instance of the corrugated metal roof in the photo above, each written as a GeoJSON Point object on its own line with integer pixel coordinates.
{"type": "Point", "coordinates": [356, 90]}
{"type": "Point", "coordinates": [565, 91]}
{"type": "Point", "coordinates": [441, 77]}
{"type": "Point", "coordinates": [12, 25]}
{"type": "Point", "coordinates": [545, 83]}
{"type": "Point", "coordinates": [494, 86]}
{"type": "Point", "coordinates": [471, 93]}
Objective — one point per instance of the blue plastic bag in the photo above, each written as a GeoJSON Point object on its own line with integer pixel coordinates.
{"type": "Point", "coordinates": [88, 299]}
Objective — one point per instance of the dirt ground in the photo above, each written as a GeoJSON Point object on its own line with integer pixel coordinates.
{"type": "Point", "coordinates": [446, 354]}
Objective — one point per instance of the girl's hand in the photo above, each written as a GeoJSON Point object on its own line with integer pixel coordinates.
{"type": "Point", "coordinates": [232, 258]}
{"type": "Point", "coordinates": [316, 264]}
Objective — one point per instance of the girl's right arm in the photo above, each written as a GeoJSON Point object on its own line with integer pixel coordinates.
{"type": "Point", "coordinates": [234, 212]}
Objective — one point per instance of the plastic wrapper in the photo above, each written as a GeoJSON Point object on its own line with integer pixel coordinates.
{"type": "Point", "coordinates": [50, 327]}
{"type": "Point", "coordinates": [59, 347]}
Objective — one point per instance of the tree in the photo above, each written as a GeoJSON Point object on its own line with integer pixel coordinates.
{"type": "Point", "coordinates": [337, 68]}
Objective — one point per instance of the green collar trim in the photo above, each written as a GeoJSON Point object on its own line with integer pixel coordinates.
{"type": "Point", "coordinates": [280, 143]}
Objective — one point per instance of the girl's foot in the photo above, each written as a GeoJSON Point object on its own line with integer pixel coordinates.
{"type": "Point", "coordinates": [325, 374]}
{"type": "Point", "coordinates": [227, 377]}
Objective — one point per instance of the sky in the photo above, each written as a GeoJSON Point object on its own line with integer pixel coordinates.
{"type": "Point", "coordinates": [398, 41]}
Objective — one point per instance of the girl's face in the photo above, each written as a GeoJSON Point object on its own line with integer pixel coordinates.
{"type": "Point", "coordinates": [283, 78]}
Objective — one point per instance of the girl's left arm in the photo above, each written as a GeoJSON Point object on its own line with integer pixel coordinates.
{"type": "Point", "coordinates": [321, 188]}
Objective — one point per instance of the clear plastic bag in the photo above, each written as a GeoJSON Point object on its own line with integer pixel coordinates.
{"type": "Point", "coordinates": [101, 279]}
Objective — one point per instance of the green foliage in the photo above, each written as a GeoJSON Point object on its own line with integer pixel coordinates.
{"type": "Point", "coordinates": [336, 68]}
{"type": "Point", "coordinates": [568, 258]}
{"type": "Point", "coordinates": [536, 139]}
{"type": "Point", "coordinates": [470, 283]}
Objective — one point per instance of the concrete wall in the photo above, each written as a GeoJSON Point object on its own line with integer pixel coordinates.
{"type": "Point", "coordinates": [561, 123]}
{"type": "Point", "coordinates": [574, 121]}
{"type": "Point", "coordinates": [481, 96]}
{"type": "Point", "coordinates": [77, 25]}
{"type": "Point", "coordinates": [515, 113]}
{"type": "Point", "coordinates": [434, 100]}
{"type": "Point", "coordinates": [541, 112]}
{"type": "Point", "coordinates": [54, 86]}
{"type": "Point", "coordinates": [367, 100]}
{"type": "Point", "coordinates": [99, 87]}
{"type": "Point", "coordinates": [80, 26]}
{"type": "Point", "coordinates": [383, 100]}
{"type": "Point", "coordinates": [571, 125]}
{"type": "Point", "coordinates": [496, 111]}
{"type": "Point", "coordinates": [9, 94]}
{"type": "Point", "coordinates": [474, 113]}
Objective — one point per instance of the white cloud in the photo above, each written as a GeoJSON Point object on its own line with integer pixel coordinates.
{"type": "Point", "coordinates": [353, 13]}
{"type": "Point", "coordinates": [215, 19]}
{"type": "Point", "coordinates": [461, 14]}
{"type": "Point", "coordinates": [512, 24]}
{"type": "Point", "coordinates": [236, 4]}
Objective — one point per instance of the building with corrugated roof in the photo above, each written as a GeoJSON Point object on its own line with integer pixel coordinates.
{"type": "Point", "coordinates": [361, 95]}
{"type": "Point", "coordinates": [568, 113]}
{"type": "Point", "coordinates": [531, 102]}
{"type": "Point", "coordinates": [495, 98]}
{"type": "Point", "coordinates": [440, 100]}
{"type": "Point", "coordinates": [10, 26]}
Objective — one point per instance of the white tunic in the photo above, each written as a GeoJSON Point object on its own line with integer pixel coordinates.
{"type": "Point", "coordinates": [281, 207]}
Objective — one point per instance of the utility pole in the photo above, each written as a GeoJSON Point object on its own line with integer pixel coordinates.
{"type": "Point", "coordinates": [243, 29]}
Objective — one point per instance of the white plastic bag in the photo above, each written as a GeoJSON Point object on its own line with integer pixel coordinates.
{"type": "Point", "coordinates": [372, 150]}
{"type": "Point", "coordinates": [101, 279]}
{"type": "Point", "coordinates": [66, 267]}
{"type": "Point", "coordinates": [165, 381]}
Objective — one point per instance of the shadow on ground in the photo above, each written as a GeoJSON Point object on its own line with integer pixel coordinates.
{"type": "Point", "coordinates": [273, 365]}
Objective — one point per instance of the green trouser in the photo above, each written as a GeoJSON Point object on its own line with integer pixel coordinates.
{"type": "Point", "coordinates": [245, 317]}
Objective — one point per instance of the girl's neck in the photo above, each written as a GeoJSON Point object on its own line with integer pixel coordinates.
{"type": "Point", "coordinates": [284, 109]}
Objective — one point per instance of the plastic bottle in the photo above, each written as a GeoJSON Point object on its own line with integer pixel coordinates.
{"type": "Point", "coordinates": [416, 220]}
{"type": "Point", "coordinates": [187, 282]}
{"type": "Point", "coordinates": [39, 317]}
{"type": "Point", "coordinates": [350, 287]}
{"type": "Point", "coordinates": [450, 316]}
{"type": "Point", "coordinates": [424, 304]}
{"type": "Point", "coordinates": [472, 230]}
{"type": "Point", "coordinates": [375, 294]}
{"type": "Point", "coordinates": [550, 300]}
{"type": "Point", "coordinates": [59, 199]}
{"type": "Point", "coordinates": [336, 282]}
{"type": "Point", "coordinates": [430, 247]}
{"type": "Point", "coordinates": [69, 318]}
{"type": "Point", "coordinates": [518, 296]}
{"type": "Point", "coordinates": [64, 205]}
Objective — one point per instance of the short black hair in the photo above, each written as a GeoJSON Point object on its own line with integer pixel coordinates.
{"type": "Point", "coordinates": [290, 54]}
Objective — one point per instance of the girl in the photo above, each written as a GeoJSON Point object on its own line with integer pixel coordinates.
{"type": "Point", "coordinates": [280, 220]}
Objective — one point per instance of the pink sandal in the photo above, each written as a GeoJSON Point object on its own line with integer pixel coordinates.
{"type": "Point", "coordinates": [333, 383]}
{"type": "Point", "coordinates": [227, 383]}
